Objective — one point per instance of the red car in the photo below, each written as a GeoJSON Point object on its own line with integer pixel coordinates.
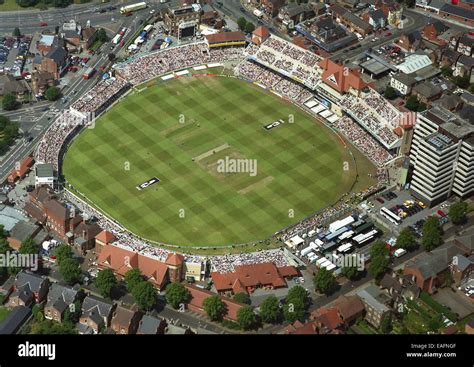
{"type": "Point", "coordinates": [389, 34]}
{"type": "Point", "coordinates": [43, 24]}
{"type": "Point", "coordinates": [85, 60]}
{"type": "Point", "coordinates": [128, 14]}
{"type": "Point", "coordinates": [441, 213]}
{"type": "Point", "coordinates": [380, 200]}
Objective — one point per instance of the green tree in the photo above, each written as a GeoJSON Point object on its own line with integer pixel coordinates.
{"type": "Point", "coordinates": [378, 265]}
{"type": "Point", "coordinates": [72, 313]}
{"type": "Point", "coordinates": [351, 272]}
{"type": "Point", "coordinates": [390, 92]}
{"type": "Point", "coordinates": [8, 133]}
{"type": "Point", "coordinates": [242, 297]}
{"type": "Point", "coordinates": [102, 35]}
{"type": "Point", "coordinates": [241, 22]}
{"type": "Point", "coordinates": [324, 281]}
{"type": "Point", "coordinates": [462, 81]}
{"type": "Point", "coordinates": [379, 248]}
{"type": "Point", "coordinates": [386, 324]}
{"type": "Point", "coordinates": [9, 102]}
{"type": "Point", "coordinates": [28, 246]}
{"type": "Point", "coordinates": [52, 93]}
{"type": "Point", "coordinates": [298, 293]}
{"type": "Point", "coordinates": [412, 103]}
{"type": "Point", "coordinates": [270, 311]}
{"type": "Point", "coordinates": [246, 318]}
{"type": "Point", "coordinates": [106, 282]}
{"type": "Point", "coordinates": [176, 294]}
{"type": "Point", "coordinates": [458, 212]}
{"type": "Point", "coordinates": [62, 253]}
{"type": "Point", "coordinates": [70, 271]}
{"type": "Point", "coordinates": [406, 239]}
{"type": "Point", "coordinates": [215, 308]}
{"type": "Point", "coordinates": [431, 237]}
{"type": "Point", "coordinates": [249, 27]}
{"type": "Point", "coordinates": [446, 71]}
{"type": "Point", "coordinates": [16, 32]}
{"type": "Point", "coordinates": [294, 309]}
{"type": "Point", "coordinates": [132, 278]}
{"type": "Point", "coordinates": [4, 249]}
{"type": "Point", "coordinates": [27, 3]}
{"type": "Point", "coordinates": [145, 295]}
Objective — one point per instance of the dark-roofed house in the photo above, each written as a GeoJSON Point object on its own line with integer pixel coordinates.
{"type": "Point", "coordinates": [150, 325]}
{"type": "Point", "coordinates": [376, 18]}
{"type": "Point", "coordinates": [466, 44]}
{"type": "Point", "coordinates": [427, 92]}
{"type": "Point", "coordinates": [28, 288]}
{"type": "Point", "coordinates": [350, 308]}
{"type": "Point", "coordinates": [429, 270]}
{"type": "Point", "coordinates": [375, 303]}
{"type": "Point", "coordinates": [293, 13]}
{"type": "Point", "coordinates": [41, 81]}
{"type": "Point", "coordinates": [84, 235]}
{"type": "Point", "coordinates": [410, 41]}
{"type": "Point", "coordinates": [125, 321]}
{"type": "Point", "coordinates": [458, 14]}
{"type": "Point", "coordinates": [89, 35]}
{"type": "Point", "coordinates": [8, 84]}
{"type": "Point", "coordinates": [14, 320]}
{"type": "Point", "coordinates": [464, 66]}
{"type": "Point", "coordinates": [433, 30]}
{"type": "Point", "coordinates": [449, 57]}
{"type": "Point", "coordinates": [272, 7]}
{"type": "Point", "coordinates": [96, 315]}
{"type": "Point", "coordinates": [400, 288]}
{"type": "Point", "coordinates": [403, 83]}
{"type": "Point", "coordinates": [462, 267]}
{"type": "Point", "coordinates": [59, 299]}
{"type": "Point", "coordinates": [24, 230]}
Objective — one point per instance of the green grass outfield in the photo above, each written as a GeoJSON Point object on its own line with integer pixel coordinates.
{"type": "Point", "coordinates": [158, 132]}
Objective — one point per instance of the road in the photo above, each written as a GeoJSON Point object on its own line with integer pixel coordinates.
{"type": "Point", "coordinates": [415, 21]}
{"type": "Point", "coordinates": [34, 120]}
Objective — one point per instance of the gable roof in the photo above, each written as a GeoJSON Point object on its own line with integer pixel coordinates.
{"type": "Point", "coordinates": [348, 306]}
{"type": "Point", "coordinates": [123, 316]}
{"type": "Point", "coordinates": [93, 305]}
{"type": "Point", "coordinates": [198, 296]}
{"type": "Point", "coordinates": [105, 237]}
{"type": "Point", "coordinates": [34, 282]}
{"type": "Point", "coordinates": [174, 259]}
{"type": "Point", "coordinates": [337, 77]}
{"type": "Point", "coordinates": [149, 325]}
{"type": "Point", "coordinates": [253, 275]}
{"type": "Point", "coordinates": [121, 261]}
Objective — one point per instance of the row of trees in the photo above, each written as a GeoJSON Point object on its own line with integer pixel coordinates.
{"type": "Point", "coordinates": [8, 133]}
{"type": "Point", "coordinates": [69, 267]}
{"type": "Point", "coordinates": [245, 26]}
{"type": "Point", "coordinates": [55, 3]}
{"type": "Point", "coordinates": [10, 102]}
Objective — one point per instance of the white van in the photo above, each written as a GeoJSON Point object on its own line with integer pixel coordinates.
{"type": "Point", "coordinates": [400, 252]}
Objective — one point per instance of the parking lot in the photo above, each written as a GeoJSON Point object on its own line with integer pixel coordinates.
{"type": "Point", "coordinates": [12, 52]}
{"type": "Point", "coordinates": [413, 215]}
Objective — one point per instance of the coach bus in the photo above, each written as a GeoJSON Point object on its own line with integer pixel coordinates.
{"type": "Point", "coordinates": [392, 217]}
{"type": "Point", "coordinates": [116, 39]}
{"type": "Point", "coordinates": [132, 7]}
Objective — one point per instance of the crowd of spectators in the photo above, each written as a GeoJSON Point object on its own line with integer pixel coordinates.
{"type": "Point", "coordinates": [226, 263]}
{"type": "Point", "coordinates": [101, 93]}
{"type": "Point", "coordinates": [53, 140]}
{"type": "Point", "coordinates": [81, 113]}
{"type": "Point", "coordinates": [373, 113]}
{"type": "Point", "coordinates": [288, 58]}
{"type": "Point", "coordinates": [141, 69]}
{"type": "Point", "coordinates": [272, 80]}
{"type": "Point", "coordinates": [128, 241]}
{"type": "Point", "coordinates": [363, 141]}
